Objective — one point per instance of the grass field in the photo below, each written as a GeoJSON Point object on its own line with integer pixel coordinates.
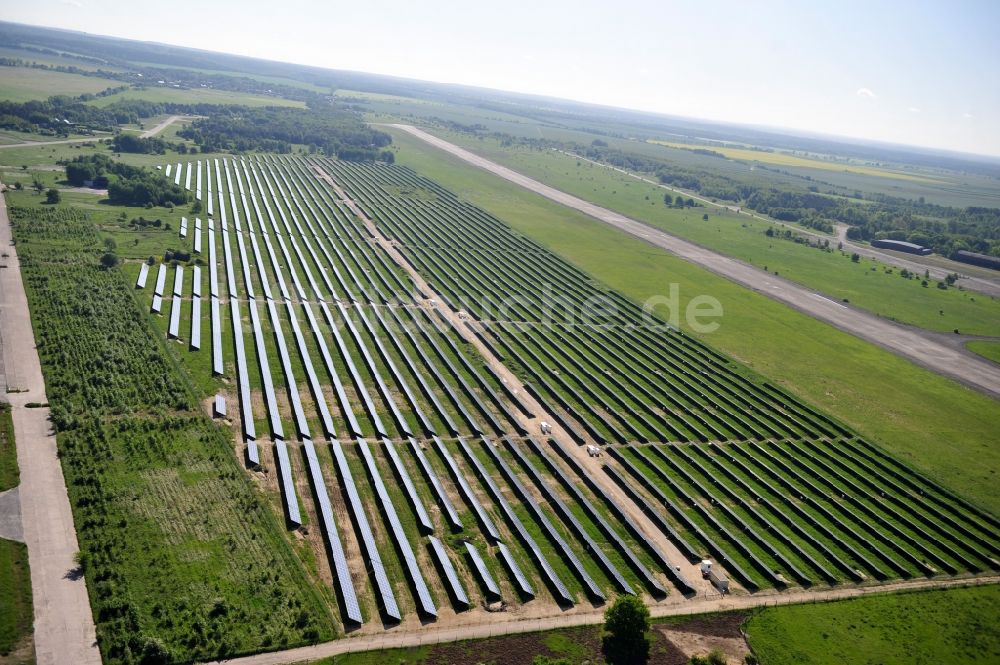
{"type": "Point", "coordinates": [866, 284]}
{"type": "Point", "coordinates": [196, 96]}
{"type": "Point", "coordinates": [8, 453]}
{"type": "Point", "coordinates": [9, 136]}
{"type": "Point", "coordinates": [46, 155]}
{"type": "Point", "coordinates": [929, 421]}
{"type": "Point", "coordinates": [952, 626]}
{"type": "Point", "coordinates": [15, 610]}
{"type": "Point", "coordinates": [989, 350]}
{"type": "Point", "coordinates": [15, 579]}
{"type": "Point", "coordinates": [22, 84]}
{"type": "Point", "coordinates": [786, 159]}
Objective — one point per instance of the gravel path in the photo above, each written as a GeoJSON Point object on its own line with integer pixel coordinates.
{"type": "Point", "coordinates": [913, 344]}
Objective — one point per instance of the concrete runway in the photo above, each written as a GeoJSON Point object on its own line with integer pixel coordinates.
{"type": "Point", "coordinates": [64, 624]}
{"type": "Point", "coordinates": [910, 343]}
{"type": "Point", "coordinates": [988, 285]}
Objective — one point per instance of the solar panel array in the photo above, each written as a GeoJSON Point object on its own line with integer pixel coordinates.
{"type": "Point", "coordinates": [395, 390]}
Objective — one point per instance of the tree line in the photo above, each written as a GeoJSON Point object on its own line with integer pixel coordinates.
{"type": "Point", "coordinates": [333, 131]}
{"type": "Point", "coordinates": [127, 185]}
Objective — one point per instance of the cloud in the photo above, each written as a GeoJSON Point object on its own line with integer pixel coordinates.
{"type": "Point", "coordinates": [913, 109]}
{"type": "Point", "coordinates": [72, 3]}
{"type": "Point", "coordinates": [865, 92]}
{"type": "Point", "coordinates": [967, 116]}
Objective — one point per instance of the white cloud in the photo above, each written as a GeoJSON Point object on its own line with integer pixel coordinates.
{"type": "Point", "coordinates": [967, 115]}
{"type": "Point", "coordinates": [865, 92]}
{"type": "Point", "coordinates": [72, 3]}
{"type": "Point", "coordinates": [913, 109]}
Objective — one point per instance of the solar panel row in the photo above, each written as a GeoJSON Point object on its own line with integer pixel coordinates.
{"type": "Point", "coordinates": [389, 606]}
{"type": "Point", "coordinates": [562, 547]}
{"type": "Point", "coordinates": [447, 568]}
{"type": "Point", "coordinates": [425, 604]}
{"type": "Point", "coordinates": [559, 589]}
{"type": "Point", "coordinates": [570, 519]}
{"type": "Point", "coordinates": [347, 593]}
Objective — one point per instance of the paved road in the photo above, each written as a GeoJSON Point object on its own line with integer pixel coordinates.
{"type": "Point", "coordinates": [988, 285]}
{"type": "Point", "coordinates": [163, 125]}
{"type": "Point", "coordinates": [923, 349]}
{"type": "Point", "coordinates": [428, 635]}
{"type": "Point", "coordinates": [64, 625]}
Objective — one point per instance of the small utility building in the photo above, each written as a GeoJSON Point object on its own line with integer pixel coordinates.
{"type": "Point", "coordinates": [902, 246]}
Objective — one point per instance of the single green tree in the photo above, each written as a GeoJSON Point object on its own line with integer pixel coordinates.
{"type": "Point", "coordinates": [626, 623]}
{"type": "Point", "coordinates": [109, 260]}
{"type": "Point", "coordinates": [52, 196]}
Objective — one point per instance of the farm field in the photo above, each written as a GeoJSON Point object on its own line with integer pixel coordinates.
{"type": "Point", "coordinates": [942, 187]}
{"type": "Point", "coordinates": [195, 96]}
{"type": "Point", "coordinates": [257, 77]}
{"type": "Point", "coordinates": [51, 59]}
{"type": "Point", "coordinates": [22, 84]}
{"type": "Point", "coordinates": [352, 385]}
{"type": "Point", "coordinates": [671, 644]}
{"type": "Point", "coordinates": [786, 159]}
{"type": "Point", "coordinates": [866, 284]}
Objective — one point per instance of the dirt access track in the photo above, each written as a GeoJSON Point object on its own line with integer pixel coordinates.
{"type": "Point", "coordinates": [428, 635]}
{"type": "Point", "coordinates": [915, 345]}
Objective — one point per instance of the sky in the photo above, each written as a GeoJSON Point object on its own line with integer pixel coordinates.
{"type": "Point", "coordinates": [910, 72]}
